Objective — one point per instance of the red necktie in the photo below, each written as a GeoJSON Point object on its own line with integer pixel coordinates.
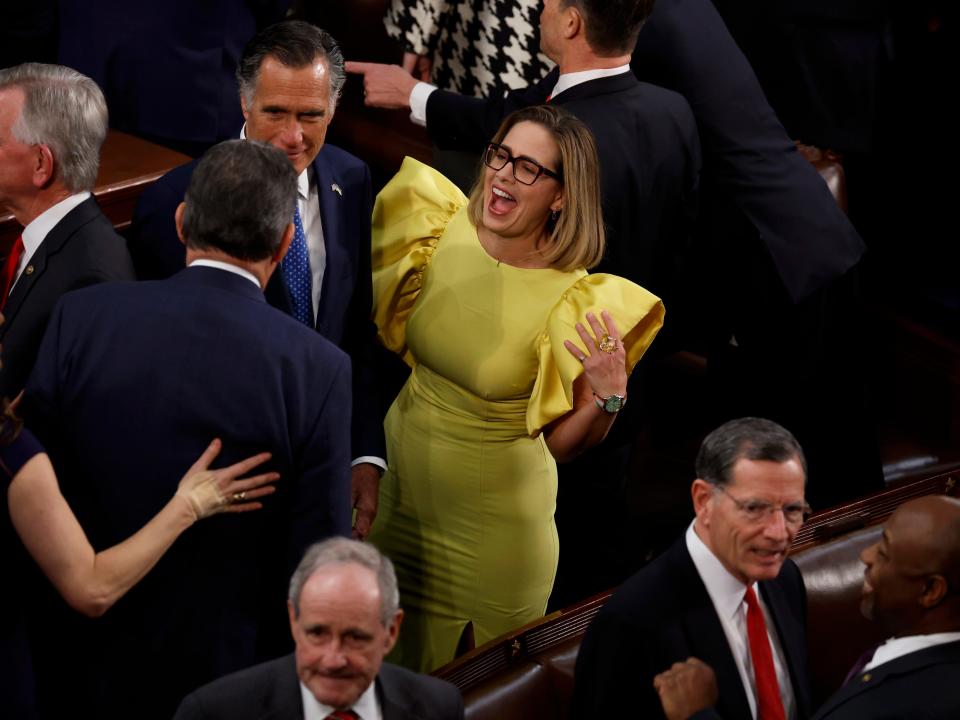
{"type": "Point", "coordinates": [342, 715]}
{"type": "Point", "coordinates": [10, 269]}
{"type": "Point", "coordinates": [769, 704]}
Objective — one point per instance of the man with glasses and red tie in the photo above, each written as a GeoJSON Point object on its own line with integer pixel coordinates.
{"type": "Point", "coordinates": [723, 595]}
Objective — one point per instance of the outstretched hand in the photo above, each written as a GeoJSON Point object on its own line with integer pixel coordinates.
{"type": "Point", "coordinates": [384, 86]}
{"type": "Point", "coordinates": [603, 357]}
{"type": "Point", "coordinates": [209, 492]}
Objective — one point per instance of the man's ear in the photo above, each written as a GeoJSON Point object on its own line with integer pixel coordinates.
{"type": "Point", "coordinates": [244, 108]}
{"type": "Point", "coordinates": [701, 492]}
{"type": "Point", "coordinates": [44, 166]}
{"type": "Point", "coordinates": [934, 590]}
{"type": "Point", "coordinates": [573, 21]}
{"type": "Point", "coordinates": [293, 619]}
{"type": "Point", "coordinates": [178, 220]}
{"type": "Point", "coordinates": [284, 244]}
{"type": "Point", "coordinates": [393, 630]}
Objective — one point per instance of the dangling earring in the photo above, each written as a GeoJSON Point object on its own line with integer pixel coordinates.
{"type": "Point", "coordinates": [554, 216]}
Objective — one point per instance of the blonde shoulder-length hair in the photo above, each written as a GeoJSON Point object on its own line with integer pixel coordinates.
{"type": "Point", "coordinates": [576, 239]}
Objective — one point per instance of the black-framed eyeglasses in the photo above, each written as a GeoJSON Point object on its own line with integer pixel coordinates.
{"type": "Point", "coordinates": [757, 511]}
{"type": "Point", "coordinates": [525, 170]}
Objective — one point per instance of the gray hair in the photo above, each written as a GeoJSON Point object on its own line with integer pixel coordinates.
{"type": "Point", "coordinates": [294, 44]}
{"type": "Point", "coordinates": [241, 198]}
{"type": "Point", "coordinates": [339, 551]}
{"type": "Point", "coordinates": [65, 111]}
{"type": "Point", "coordinates": [750, 438]}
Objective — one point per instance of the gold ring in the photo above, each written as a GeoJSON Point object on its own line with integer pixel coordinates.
{"type": "Point", "coordinates": [607, 344]}
{"type": "Point", "coordinates": [239, 497]}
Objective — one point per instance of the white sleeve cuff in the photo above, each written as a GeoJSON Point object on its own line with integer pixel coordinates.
{"type": "Point", "coordinates": [373, 460]}
{"type": "Point", "coordinates": [418, 102]}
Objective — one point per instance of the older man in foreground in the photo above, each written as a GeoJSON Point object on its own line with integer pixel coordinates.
{"type": "Point", "coordinates": [345, 617]}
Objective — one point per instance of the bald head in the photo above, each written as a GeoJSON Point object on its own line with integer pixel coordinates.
{"type": "Point", "coordinates": [930, 528]}
{"type": "Point", "coordinates": [912, 578]}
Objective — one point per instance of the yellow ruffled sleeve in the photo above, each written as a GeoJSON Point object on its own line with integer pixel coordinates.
{"type": "Point", "coordinates": [637, 313]}
{"type": "Point", "coordinates": [409, 216]}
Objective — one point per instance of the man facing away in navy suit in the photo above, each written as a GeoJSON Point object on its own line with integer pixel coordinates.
{"type": "Point", "coordinates": [290, 77]}
{"type": "Point", "coordinates": [909, 590]}
{"type": "Point", "coordinates": [724, 593]}
{"type": "Point", "coordinates": [133, 379]}
{"type": "Point", "coordinates": [345, 616]}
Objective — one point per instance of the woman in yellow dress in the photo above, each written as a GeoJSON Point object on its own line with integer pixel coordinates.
{"type": "Point", "coordinates": [517, 362]}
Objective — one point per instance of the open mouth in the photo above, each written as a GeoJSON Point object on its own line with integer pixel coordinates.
{"type": "Point", "coordinates": [501, 202]}
{"type": "Point", "coordinates": [769, 555]}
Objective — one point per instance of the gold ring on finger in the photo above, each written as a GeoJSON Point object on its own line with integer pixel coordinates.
{"type": "Point", "coordinates": [608, 344]}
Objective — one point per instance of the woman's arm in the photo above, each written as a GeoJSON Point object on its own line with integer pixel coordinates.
{"type": "Point", "coordinates": [604, 374]}
{"type": "Point", "coordinates": [92, 582]}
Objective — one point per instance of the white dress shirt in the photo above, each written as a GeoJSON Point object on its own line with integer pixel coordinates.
{"type": "Point", "coordinates": [367, 707]}
{"type": "Point", "coordinates": [36, 232]}
{"type": "Point", "coordinates": [421, 91]}
{"type": "Point", "coordinates": [900, 646]}
{"type": "Point", "coordinates": [726, 592]}
{"type": "Point", "coordinates": [235, 269]}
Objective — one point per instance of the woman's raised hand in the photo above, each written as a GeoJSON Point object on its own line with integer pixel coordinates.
{"type": "Point", "coordinates": [603, 357]}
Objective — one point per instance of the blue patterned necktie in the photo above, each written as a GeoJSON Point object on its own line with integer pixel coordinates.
{"type": "Point", "coordinates": [297, 275]}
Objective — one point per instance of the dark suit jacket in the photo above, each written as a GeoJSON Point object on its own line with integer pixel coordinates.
{"type": "Point", "coordinates": [649, 162]}
{"type": "Point", "coordinates": [346, 296]}
{"type": "Point", "coordinates": [143, 60]}
{"type": "Point", "coordinates": [272, 691]}
{"type": "Point", "coordinates": [133, 381]}
{"type": "Point", "coordinates": [664, 615]}
{"type": "Point", "coordinates": [686, 47]}
{"type": "Point", "coordinates": [922, 684]}
{"type": "Point", "coordinates": [82, 249]}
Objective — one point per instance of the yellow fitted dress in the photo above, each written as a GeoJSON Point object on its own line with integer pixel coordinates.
{"type": "Point", "coordinates": [466, 507]}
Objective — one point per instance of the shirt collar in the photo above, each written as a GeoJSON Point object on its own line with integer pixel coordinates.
{"type": "Point", "coordinates": [366, 706]}
{"type": "Point", "coordinates": [35, 232]}
{"type": "Point", "coordinates": [220, 265]}
{"type": "Point", "coordinates": [568, 80]}
{"type": "Point", "coordinates": [303, 179]}
{"type": "Point", "coordinates": [724, 589]}
{"type": "Point", "coordinates": [900, 646]}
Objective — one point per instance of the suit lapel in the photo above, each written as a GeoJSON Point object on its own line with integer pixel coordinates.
{"type": "Point", "coordinates": [330, 192]}
{"type": "Point", "coordinates": [285, 703]}
{"type": "Point", "coordinates": [705, 636]}
{"type": "Point", "coordinates": [904, 665]}
{"type": "Point", "coordinates": [391, 701]}
{"type": "Point", "coordinates": [791, 640]}
{"type": "Point", "coordinates": [52, 244]}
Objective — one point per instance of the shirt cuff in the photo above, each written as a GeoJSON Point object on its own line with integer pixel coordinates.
{"type": "Point", "coordinates": [418, 103]}
{"type": "Point", "coordinates": [373, 460]}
